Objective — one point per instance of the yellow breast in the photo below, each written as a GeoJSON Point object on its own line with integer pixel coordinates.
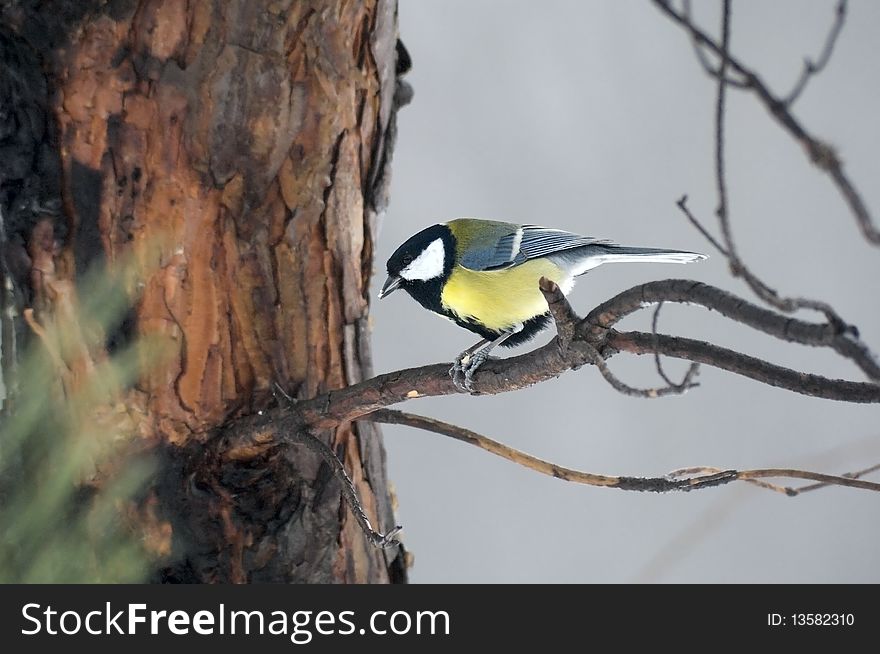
{"type": "Point", "coordinates": [500, 299]}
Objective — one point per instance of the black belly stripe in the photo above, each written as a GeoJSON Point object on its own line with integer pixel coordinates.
{"type": "Point", "coordinates": [531, 328]}
{"type": "Point", "coordinates": [428, 295]}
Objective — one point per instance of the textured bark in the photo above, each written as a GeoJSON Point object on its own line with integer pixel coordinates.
{"type": "Point", "coordinates": [249, 138]}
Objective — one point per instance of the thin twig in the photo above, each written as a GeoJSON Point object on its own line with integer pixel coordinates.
{"type": "Point", "coordinates": [597, 360]}
{"type": "Point", "coordinates": [769, 295]}
{"type": "Point", "coordinates": [720, 179]}
{"type": "Point", "coordinates": [566, 326]}
{"type": "Point", "coordinates": [703, 470]}
{"type": "Point", "coordinates": [820, 153]}
{"type": "Point", "coordinates": [693, 370]}
{"type": "Point", "coordinates": [737, 265]}
{"type": "Point", "coordinates": [689, 537]}
{"type": "Point", "coordinates": [675, 481]}
{"type": "Point", "coordinates": [320, 448]}
{"type": "Point", "coordinates": [756, 477]}
{"type": "Point", "coordinates": [822, 484]}
{"type": "Point", "coordinates": [682, 204]}
{"type": "Point", "coordinates": [306, 437]}
{"type": "Point", "coordinates": [711, 71]}
{"type": "Point", "coordinates": [811, 67]}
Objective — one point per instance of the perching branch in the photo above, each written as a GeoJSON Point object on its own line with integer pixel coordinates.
{"type": "Point", "coordinates": [596, 332]}
{"type": "Point", "coordinates": [819, 152]}
{"type": "Point", "coordinates": [686, 479]}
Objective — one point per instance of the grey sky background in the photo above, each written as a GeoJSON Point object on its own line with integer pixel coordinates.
{"type": "Point", "coordinates": [594, 116]}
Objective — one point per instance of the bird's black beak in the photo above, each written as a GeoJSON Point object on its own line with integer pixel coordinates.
{"type": "Point", "coordinates": [391, 284]}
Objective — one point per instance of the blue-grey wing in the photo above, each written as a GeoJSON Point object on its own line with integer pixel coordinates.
{"type": "Point", "coordinates": [542, 241]}
{"type": "Point", "coordinates": [498, 251]}
{"type": "Point", "coordinates": [516, 245]}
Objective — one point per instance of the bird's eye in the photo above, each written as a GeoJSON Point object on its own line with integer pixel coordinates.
{"type": "Point", "coordinates": [407, 259]}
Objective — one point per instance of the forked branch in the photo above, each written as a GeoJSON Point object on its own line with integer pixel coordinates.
{"type": "Point", "coordinates": [819, 152]}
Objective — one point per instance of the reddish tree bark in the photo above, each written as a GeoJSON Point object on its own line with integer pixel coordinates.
{"type": "Point", "coordinates": [251, 140]}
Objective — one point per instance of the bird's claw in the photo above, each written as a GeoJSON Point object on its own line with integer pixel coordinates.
{"type": "Point", "coordinates": [464, 368]}
{"type": "Point", "coordinates": [458, 376]}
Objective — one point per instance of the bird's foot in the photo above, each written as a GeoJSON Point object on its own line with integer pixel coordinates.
{"type": "Point", "coordinates": [464, 368]}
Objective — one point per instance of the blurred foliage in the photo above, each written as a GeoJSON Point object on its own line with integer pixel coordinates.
{"type": "Point", "coordinates": [72, 472]}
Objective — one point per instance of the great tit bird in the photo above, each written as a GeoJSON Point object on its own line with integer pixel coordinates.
{"type": "Point", "coordinates": [483, 275]}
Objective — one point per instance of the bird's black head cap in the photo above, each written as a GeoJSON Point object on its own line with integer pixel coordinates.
{"type": "Point", "coordinates": [421, 265]}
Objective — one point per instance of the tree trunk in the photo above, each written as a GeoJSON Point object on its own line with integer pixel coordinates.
{"type": "Point", "coordinates": [251, 140]}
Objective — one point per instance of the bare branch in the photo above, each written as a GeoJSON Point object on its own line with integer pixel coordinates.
{"type": "Point", "coordinates": [785, 328]}
{"type": "Point", "coordinates": [848, 345]}
{"type": "Point", "coordinates": [720, 179]}
{"type": "Point", "coordinates": [563, 315]}
{"type": "Point", "coordinates": [737, 266]}
{"type": "Point", "coordinates": [303, 435]}
{"type": "Point", "coordinates": [820, 153]}
{"type": "Point", "coordinates": [682, 204]}
{"type": "Point", "coordinates": [595, 331]}
{"type": "Point", "coordinates": [761, 289]}
{"type": "Point", "coordinates": [850, 475]}
{"type": "Point", "coordinates": [756, 477]}
{"type": "Point", "coordinates": [711, 71]}
{"type": "Point", "coordinates": [753, 477]}
{"type": "Point", "coordinates": [318, 446]}
{"type": "Point", "coordinates": [566, 323]}
{"type": "Point", "coordinates": [747, 366]}
{"type": "Point", "coordinates": [671, 389]}
{"type": "Point", "coordinates": [679, 480]}
{"type": "Point", "coordinates": [703, 470]}
{"type": "Point", "coordinates": [811, 67]}
{"type": "Point", "coordinates": [392, 417]}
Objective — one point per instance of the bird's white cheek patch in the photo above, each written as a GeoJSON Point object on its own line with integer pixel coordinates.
{"type": "Point", "coordinates": [428, 265]}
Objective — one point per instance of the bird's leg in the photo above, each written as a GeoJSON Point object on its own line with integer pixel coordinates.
{"type": "Point", "coordinates": [466, 363]}
{"type": "Point", "coordinates": [463, 358]}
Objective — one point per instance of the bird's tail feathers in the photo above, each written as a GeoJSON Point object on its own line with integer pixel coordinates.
{"type": "Point", "coordinates": [625, 254]}
{"type": "Point", "coordinates": [597, 254]}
